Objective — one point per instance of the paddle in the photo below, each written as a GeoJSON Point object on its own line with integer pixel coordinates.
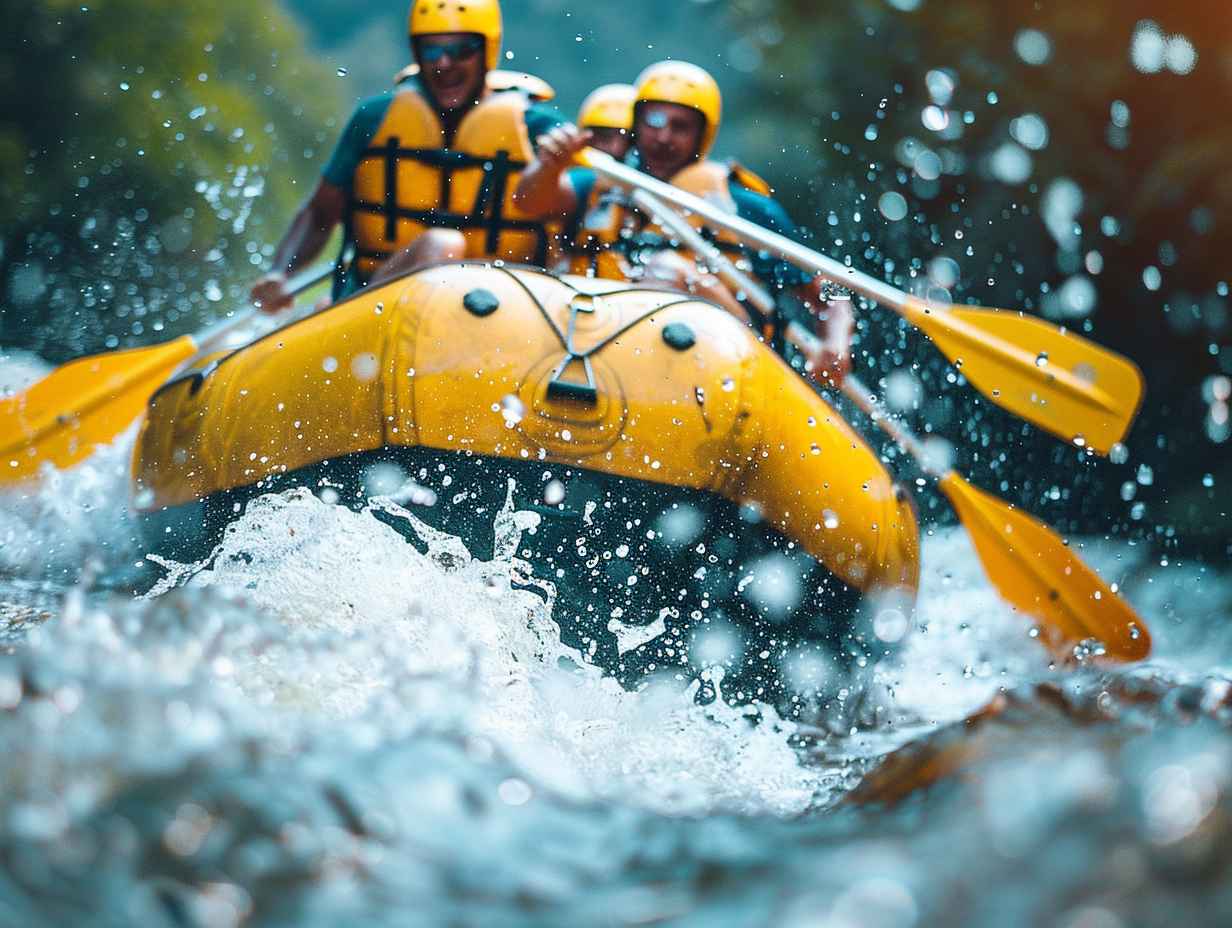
{"type": "Point", "coordinates": [1060, 381]}
{"type": "Point", "coordinates": [1032, 568]}
{"type": "Point", "coordinates": [89, 401]}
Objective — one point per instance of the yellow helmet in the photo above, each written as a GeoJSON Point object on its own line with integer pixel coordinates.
{"type": "Point", "coordinates": [608, 107]}
{"type": "Point", "coordinates": [430, 17]}
{"type": "Point", "coordinates": [687, 85]}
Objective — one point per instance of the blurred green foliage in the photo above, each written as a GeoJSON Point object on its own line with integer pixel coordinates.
{"type": "Point", "coordinates": [144, 147]}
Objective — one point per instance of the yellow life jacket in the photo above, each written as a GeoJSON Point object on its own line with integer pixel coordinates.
{"type": "Point", "coordinates": [610, 228]}
{"type": "Point", "coordinates": [412, 178]}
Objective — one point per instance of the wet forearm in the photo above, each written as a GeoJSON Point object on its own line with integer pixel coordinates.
{"type": "Point", "coordinates": [309, 232]}
{"type": "Point", "coordinates": [542, 191]}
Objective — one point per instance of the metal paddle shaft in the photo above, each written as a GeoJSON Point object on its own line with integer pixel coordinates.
{"type": "Point", "coordinates": [1062, 382]}
{"type": "Point", "coordinates": [62, 418]}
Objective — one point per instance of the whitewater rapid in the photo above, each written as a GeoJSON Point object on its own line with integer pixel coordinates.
{"type": "Point", "coordinates": [323, 724]}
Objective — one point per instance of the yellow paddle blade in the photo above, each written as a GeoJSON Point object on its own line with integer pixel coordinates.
{"type": "Point", "coordinates": [1038, 574]}
{"type": "Point", "coordinates": [85, 403]}
{"type": "Point", "coordinates": [1060, 381]}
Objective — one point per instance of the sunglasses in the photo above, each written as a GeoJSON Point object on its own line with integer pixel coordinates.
{"type": "Point", "coordinates": [456, 51]}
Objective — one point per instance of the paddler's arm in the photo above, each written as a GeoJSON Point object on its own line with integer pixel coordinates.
{"type": "Point", "coordinates": [833, 322]}
{"type": "Point", "coordinates": [545, 190]}
{"type": "Point", "coordinates": [834, 326]}
{"type": "Point", "coordinates": [325, 208]}
{"type": "Point", "coordinates": [310, 231]}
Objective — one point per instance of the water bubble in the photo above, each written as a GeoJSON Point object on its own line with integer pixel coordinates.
{"type": "Point", "coordinates": [890, 625]}
{"type": "Point", "coordinates": [903, 392]}
{"type": "Point", "coordinates": [1152, 279]}
{"type": "Point", "coordinates": [554, 493]}
{"type": "Point", "coordinates": [365, 367]}
{"type": "Point", "coordinates": [1146, 49]}
{"type": "Point", "coordinates": [775, 585]}
{"type": "Point", "coordinates": [514, 792]}
{"type": "Point", "coordinates": [1041, 359]}
{"type": "Point", "coordinates": [512, 409]}
{"type": "Point", "coordinates": [893, 205]}
{"type": "Point", "coordinates": [1032, 46]}
{"type": "Point", "coordinates": [329, 364]}
{"type": "Point", "coordinates": [935, 118]}
{"type": "Point", "coordinates": [728, 384]}
{"type": "Point", "coordinates": [1129, 490]}
{"type": "Point", "coordinates": [342, 72]}
{"type": "Point", "coordinates": [938, 454]}
{"type": "Point", "coordinates": [1146, 475]}
{"type": "Point", "coordinates": [382, 479]}
{"type": "Point", "coordinates": [927, 164]}
{"type": "Point", "coordinates": [1076, 297]}
{"type": "Point", "coordinates": [1010, 164]}
{"type": "Point", "coordinates": [1030, 131]}
{"type": "Point", "coordinates": [940, 86]}
{"type": "Point", "coordinates": [829, 518]}
{"type": "Point", "coordinates": [1208, 480]}
{"type": "Point", "coordinates": [329, 496]}
{"type": "Point", "coordinates": [944, 272]}
{"type": "Point", "coordinates": [1180, 55]}
{"type": "Point", "coordinates": [1118, 453]}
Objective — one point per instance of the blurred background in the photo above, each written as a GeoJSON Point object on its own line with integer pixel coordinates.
{"type": "Point", "coordinates": [1066, 159]}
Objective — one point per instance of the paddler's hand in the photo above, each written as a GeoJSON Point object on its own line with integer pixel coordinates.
{"type": "Point", "coordinates": [557, 149]}
{"type": "Point", "coordinates": [830, 363]}
{"type": "Point", "coordinates": [269, 294]}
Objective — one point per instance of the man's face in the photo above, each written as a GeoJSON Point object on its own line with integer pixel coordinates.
{"type": "Point", "coordinates": [452, 66]}
{"type": "Point", "coordinates": [668, 137]}
{"type": "Point", "coordinates": [614, 142]}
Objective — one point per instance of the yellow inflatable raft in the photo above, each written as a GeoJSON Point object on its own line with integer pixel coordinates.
{"type": "Point", "coordinates": [685, 474]}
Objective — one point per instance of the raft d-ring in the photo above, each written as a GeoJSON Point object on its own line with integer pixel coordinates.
{"type": "Point", "coordinates": [587, 392]}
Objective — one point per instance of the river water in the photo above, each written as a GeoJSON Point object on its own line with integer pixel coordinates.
{"type": "Point", "coordinates": [324, 726]}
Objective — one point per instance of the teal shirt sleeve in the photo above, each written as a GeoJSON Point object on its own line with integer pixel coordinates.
{"type": "Point", "coordinates": [541, 119]}
{"type": "Point", "coordinates": [769, 214]}
{"type": "Point", "coordinates": [362, 126]}
{"type": "Point", "coordinates": [583, 181]}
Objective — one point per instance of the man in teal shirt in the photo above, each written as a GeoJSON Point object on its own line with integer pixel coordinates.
{"type": "Point", "coordinates": [418, 175]}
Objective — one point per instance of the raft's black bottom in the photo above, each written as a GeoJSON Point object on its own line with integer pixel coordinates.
{"type": "Point", "coordinates": [621, 552]}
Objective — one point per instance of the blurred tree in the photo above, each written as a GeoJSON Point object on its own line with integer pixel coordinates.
{"type": "Point", "coordinates": [139, 157]}
{"type": "Point", "coordinates": [1057, 157]}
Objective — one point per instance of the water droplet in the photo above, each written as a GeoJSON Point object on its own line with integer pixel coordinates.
{"type": "Point", "coordinates": [330, 364]}
{"type": "Point", "coordinates": [365, 367]}
{"type": "Point", "coordinates": [829, 518]}
{"type": "Point", "coordinates": [1041, 359]}
{"type": "Point", "coordinates": [728, 385]}
{"type": "Point", "coordinates": [513, 410]}
{"type": "Point", "coordinates": [1208, 480]}
{"type": "Point", "coordinates": [554, 493]}
{"type": "Point", "coordinates": [342, 72]}
{"type": "Point", "coordinates": [893, 205]}
{"type": "Point", "coordinates": [815, 448]}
